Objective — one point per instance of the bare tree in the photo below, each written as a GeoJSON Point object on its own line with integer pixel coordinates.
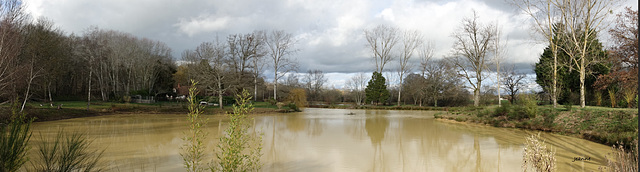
{"type": "Point", "coordinates": [357, 84]}
{"type": "Point", "coordinates": [582, 20]}
{"type": "Point", "coordinates": [472, 43]}
{"type": "Point", "coordinates": [427, 68]}
{"type": "Point", "coordinates": [259, 53]}
{"type": "Point", "coordinates": [411, 40]}
{"type": "Point", "coordinates": [246, 51]}
{"type": "Point", "coordinates": [512, 83]}
{"type": "Point", "coordinates": [545, 16]}
{"type": "Point", "coordinates": [381, 41]}
{"type": "Point", "coordinates": [281, 45]}
{"type": "Point", "coordinates": [314, 80]}
{"type": "Point", "coordinates": [209, 66]}
{"type": "Point", "coordinates": [499, 51]}
{"type": "Point", "coordinates": [12, 17]}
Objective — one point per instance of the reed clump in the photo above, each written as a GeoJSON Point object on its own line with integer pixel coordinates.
{"type": "Point", "coordinates": [624, 159]}
{"type": "Point", "coordinates": [15, 134]}
{"type": "Point", "coordinates": [537, 155]}
{"type": "Point", "coordinates": [67, 153]}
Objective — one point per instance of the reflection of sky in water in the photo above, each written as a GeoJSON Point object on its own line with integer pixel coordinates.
{"type": "Point", "coordinates": [329, 140]}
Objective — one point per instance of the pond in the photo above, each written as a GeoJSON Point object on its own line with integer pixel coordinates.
{"type": "Point", "coordinates": [327, 140]}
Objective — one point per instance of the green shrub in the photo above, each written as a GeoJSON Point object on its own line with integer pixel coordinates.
{"type": "Point", "coordinates": [519, 113]}
{"type": "Point", "coordinates": [239, 150]}
{"type": "Point", "coordinates": [272, 101]}
{"type": "Point", "coordinates": [568, 106]}
{"type": "Point", "coordinates": [193, 149]}
{"type": "Point", "coordinates": [292, 106]}
{"type": "Point", "coordinates": [530, 105]}
{"type": "Point", "coordinates": [502, 110]}
{"type": "Point", "coordinates": [549, 117]}
{"type": "Point", "coordinates": [14, 140]}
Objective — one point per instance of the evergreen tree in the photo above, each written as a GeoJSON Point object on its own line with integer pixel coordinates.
{"type": "Point", "coordinates": [568, 79]}
{"type": "Point", "coordinates": [376, 90]}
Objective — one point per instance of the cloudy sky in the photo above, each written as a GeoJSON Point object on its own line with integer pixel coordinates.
{"type": "Point", "coordinates": [329, 32]}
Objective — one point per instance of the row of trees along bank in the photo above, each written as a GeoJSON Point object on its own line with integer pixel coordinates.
{"type": "Point", "coordinates": [41, 62]}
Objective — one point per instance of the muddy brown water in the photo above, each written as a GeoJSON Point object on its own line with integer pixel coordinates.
{"type": "Point", "coordinates": [328, 140]}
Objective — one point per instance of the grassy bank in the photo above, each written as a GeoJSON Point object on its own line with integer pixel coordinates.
{"type": "Point", "coordinates": [78, 109]}
{"type": "Point", "coordinates": [602, 125]}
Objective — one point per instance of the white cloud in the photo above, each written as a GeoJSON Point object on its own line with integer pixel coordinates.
{"type": "Point", "coordinates": [202, 24]}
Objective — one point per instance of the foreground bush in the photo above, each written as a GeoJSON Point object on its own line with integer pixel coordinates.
{"type": "Point", "coordinates": [622, 159]}
{"type": "Point", "coordinates": [14, 138]}
{"type": "Point", "coordinates": [67, 153]}
{"type": "Point", "coordinates": [193, 149]}
{"type": "Point", "coordinates": [239, 150]}
{"type": "Point", "coordinates": [538, 156]}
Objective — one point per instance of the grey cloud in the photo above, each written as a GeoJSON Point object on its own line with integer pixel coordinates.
{"type": "Point", "coordinates": [330, 32]}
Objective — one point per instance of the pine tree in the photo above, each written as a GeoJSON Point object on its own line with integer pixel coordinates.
{"type": "Point", "coordinates": [376, 90]}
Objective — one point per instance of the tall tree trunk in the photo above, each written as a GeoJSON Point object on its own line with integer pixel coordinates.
{"type": "Point", "coordinates": [435, 101]}
{"type": "Point", "coordinates": [49, 90]}
{"type": "Point", "coordinates": [26, 94]}
{"type": "Point", "coordinates": [498, 81]}
{"type": "Point", "coordinates": [582, 98]}
{"type": "Point", "coordinates": [89, 92]}
{"type": "Point", "coordinates": [220, 94]}
{"type": "Point", "coordinates": [399, 92]}
{"type": "Point", "coordinates": [554, 92]}
{"type": "Point", "coordinates": [275, 86]}
{"type": "Point", "coordinates": [476, 97]}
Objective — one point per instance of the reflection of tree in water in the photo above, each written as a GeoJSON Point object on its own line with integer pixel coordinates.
{"type": "Point", "coordinates": [316, 127]}
{"type": "Point", "coordinates": [295, 123]}
{"type": "Point", "coordinates": [376, 128]}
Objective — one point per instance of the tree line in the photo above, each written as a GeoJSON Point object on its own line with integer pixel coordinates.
{"type": "Point", "coordinates": [41, 62]}
{"type": "Point", "coordinates": [573, 68]}
{"type": "Point", "coordinates": [226, 67]}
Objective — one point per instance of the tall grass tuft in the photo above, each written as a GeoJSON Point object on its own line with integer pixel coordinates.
{"type": "Point", "coordinates": [193, 149]}
{"type": "Point", "coordinates": [67, 153]}
{"type": "Point", "coordinates": [622, 159]}
{"type": "Point", "coordinates": [14, 137]}
{"type": "Point", "coordinates": [537, 155]}
{"type": "Point", "coordinates": [238, 149]}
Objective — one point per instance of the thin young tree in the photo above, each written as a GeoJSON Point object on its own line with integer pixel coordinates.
{"type": "Point", "coordinates": [381, 40]}
{"type": "Point", "coordinates": [499, 50]}
{"type": "Point", "coordinates": [280, 45]}
{"type": "Point", "coordinates": [582, 20]}
{"type": "Point", "coordinates": [472, 44]}
{"type": "Point", "coordinates": [259, 53]}
{"type": "Point", "coordinates": [411, 40]}
{"type": "Point", "coordinates": [545, 16]}
{"type": "Point", "coordinates": [357, 84]}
